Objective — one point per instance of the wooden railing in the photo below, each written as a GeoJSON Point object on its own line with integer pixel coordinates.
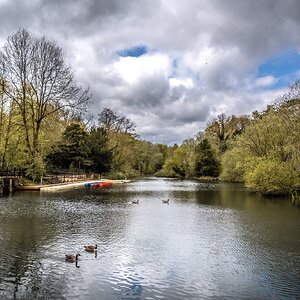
{"type": "Point", "coordinates": [13, 172]}
{"type": "Point", "coordinates": [54, 178]}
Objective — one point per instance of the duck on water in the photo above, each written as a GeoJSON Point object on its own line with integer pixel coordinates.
{"type": "Point", "coordinates": [72, 258]}
{"type": "Point", "coordinates": [90, 248]}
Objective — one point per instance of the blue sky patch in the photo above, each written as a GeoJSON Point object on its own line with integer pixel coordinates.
{"type": "Point", "coordinates": [283, 66]}
{"type": "Point", "coordinates": [133, 52]}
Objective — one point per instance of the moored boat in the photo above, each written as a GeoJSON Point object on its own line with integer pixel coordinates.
{"type": "Point", "coordinates": [98, 184]}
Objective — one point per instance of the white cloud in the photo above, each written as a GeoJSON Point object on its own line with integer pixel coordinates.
{"type": "Point", "coordinates": [132, 69]}
{"type": "Point", "coordinates": [186, 82]}
{"type": "Point", "coordinates": [265, 81]}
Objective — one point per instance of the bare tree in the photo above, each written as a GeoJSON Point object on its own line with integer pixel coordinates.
{"type": "Point", "coordinates": [34, 74]}
{"type": "Point", "coordinates": [121, 136]}
{"type": "Point", "coordinates": [111, 121]}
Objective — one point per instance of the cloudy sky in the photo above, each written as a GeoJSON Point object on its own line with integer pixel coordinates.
{"type": "Point", "coordinates": [171, 66]}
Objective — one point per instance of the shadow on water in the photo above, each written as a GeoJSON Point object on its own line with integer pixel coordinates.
{"type": "Point", "coordinates": [24, 228]}
{"type": "Point", "coordinates": [228, 195]}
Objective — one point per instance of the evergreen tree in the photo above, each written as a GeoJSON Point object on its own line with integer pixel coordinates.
{"type": "Point", "coordinates": [81, 149]}
{"type": "Point", "coordinates": [206, 163]}
{"type": "Point", "coordinates": [100, 155]}
{"type": "Point", "coordinates": [73, 151]}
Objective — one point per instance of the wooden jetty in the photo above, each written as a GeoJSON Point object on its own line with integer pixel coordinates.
{"type": "Point", "coordinates": [8, 184]}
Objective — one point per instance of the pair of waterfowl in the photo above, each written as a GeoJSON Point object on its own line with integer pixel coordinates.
{"type": "Point", "coordinates": [74, 258]}
{"type": "Point", "coordinates": [163, 201]}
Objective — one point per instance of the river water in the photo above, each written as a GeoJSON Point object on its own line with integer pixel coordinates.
{"type": "Point", "coordinates": [211, 241]}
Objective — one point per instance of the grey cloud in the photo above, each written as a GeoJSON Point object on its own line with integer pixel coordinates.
{"type": "Point", "coordinates": [185, 105]}
{"type": "Point", "coordinates": [256, 26]}
{"type": "Point", "coordinates": [15, 14]}
{"type": "Point", "coordinates": [149, 92]}
{"type": "Point", "coordinates": [82, 17]}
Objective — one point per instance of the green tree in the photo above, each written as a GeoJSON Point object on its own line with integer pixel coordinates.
{"type": "Point", "coordinates": [175, 164]}
{"type": "Point", "coordinates": [149, 157]}
{"type": "Point", "coordinates": [36, 169]}
{"type": "Point", "coordinates": [206, 163]}
{"type": "Point", "coordinates": [234, 164]}
{"type": "Point", "coordinates": [223, 129]}
{"type": "Point", "coordinates": [266, 154]}
{"type": "Point", "coordinates": [270, 176]}
{"type": "Point", "coordinates": [100, 155]}
{"type": "Point", "coordinates": [73, 151]}
{"type": "Point", "coordinates": [121, 140]}
{"type": "Point", "coordinates": [180, 161]}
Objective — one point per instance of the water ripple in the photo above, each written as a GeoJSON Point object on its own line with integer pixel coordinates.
{"type": "Point", "coordinates": [211, 241]}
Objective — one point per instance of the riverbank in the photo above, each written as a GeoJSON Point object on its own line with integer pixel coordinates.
{"type": "Point", "coordinates": [66, 185]}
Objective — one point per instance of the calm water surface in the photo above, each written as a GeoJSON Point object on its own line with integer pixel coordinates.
{"type": "Point", "coordinates": [211, 241]}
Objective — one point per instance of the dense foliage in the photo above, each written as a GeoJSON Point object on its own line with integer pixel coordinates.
{"type": "Point", "coordinates": [81, 150]}
{"type": "Point", "coordinates": [206, 163]}
{"type": "Point", "coordinates": [266, 156]}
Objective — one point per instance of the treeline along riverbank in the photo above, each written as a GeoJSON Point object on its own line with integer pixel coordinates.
{"type": "Point", "coordinates": [43, 126]}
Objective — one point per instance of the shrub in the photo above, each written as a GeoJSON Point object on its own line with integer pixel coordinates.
{"type": "Point", "coordinates": [270, 176]}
